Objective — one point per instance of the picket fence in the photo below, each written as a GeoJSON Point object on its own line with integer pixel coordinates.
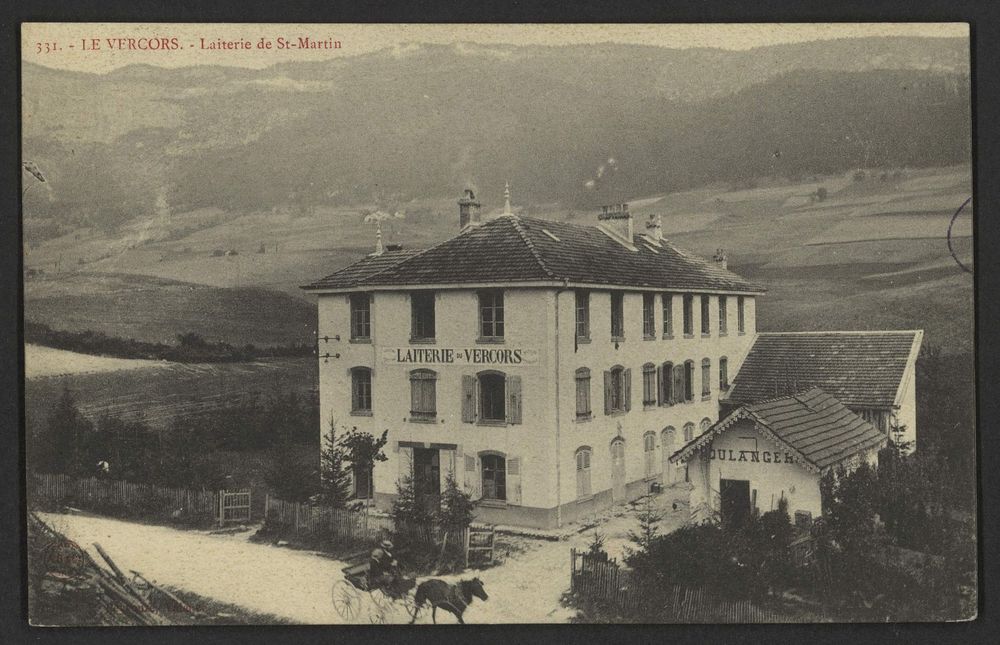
{"type": "Point", "coordinates": [324, 520]}
{"type": "Point", "coordinates": [130, 499]}
{"type": "Point", "coordinates": [607, 581]}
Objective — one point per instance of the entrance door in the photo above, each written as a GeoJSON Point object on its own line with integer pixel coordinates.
{"type": "Point", "coordinates": [618, 470]}
{"type": "Point", "coordinates": [427, 477]}
{"type": "Point", "coordinates": [734, 500]}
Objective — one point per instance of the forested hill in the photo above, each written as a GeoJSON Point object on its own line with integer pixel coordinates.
{"type": "Point", "coordinates": [425, 121]}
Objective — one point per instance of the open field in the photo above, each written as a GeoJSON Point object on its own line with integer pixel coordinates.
{"type": "Point", "coordinates": [158, 393]}
{"type": "Point", "coordinates": [46, 362]}
{"type": "Point", "coordinates": [157, 309]}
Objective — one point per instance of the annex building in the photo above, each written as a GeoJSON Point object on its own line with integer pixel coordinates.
{"type": "Point", "coordinates": [552, 368]}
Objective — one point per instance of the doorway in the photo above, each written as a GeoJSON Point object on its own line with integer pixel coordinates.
{"type": "Point", "coordinates": [427, 477]}
{"type": "Point", "coordinates": [618, 471]}
{"type": "Point", "coordinates": [734, 501]}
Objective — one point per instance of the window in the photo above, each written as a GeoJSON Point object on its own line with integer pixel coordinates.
{"type": "Point", "coordinates": [740, 320]}
{"type": "Point", "coordinates": [706, 378]}
{"type": "Point", "coordinates": [705, 424]}
{"type": "Point", "coordinates": [688, 315]}
{"type": "Point", "coordinates": [361, 316]}
{"type": "Point", "coordinates": [361, 390]}
{"type": "Point", "coordinates": [679, 391]}
{"type": "Point", "coordinates": [423, 394]}
{"type": "Point", "coordinates": [617, 390]}
{"type": "Point", "coordinates": [688, 432]}
{"type": "Point", "coordinates": [666, 384]}
{"type": "Point", "coordinates": [583, 455]}
{"type": "Point", "coordinates": [705, 323]}
{"type": "Point", "coordinates": [583, 393]}
{"type": "Point", "coordinates": [583, 315]}
{"type": "Point", "coordinates": [668, 315]}
{"type": "Point", "coordinates": [617, 315]}
{"type": "Point", "coordinates": [723, 374]}
{"type": "Point", "coordinates": [648, 384]}
{"type": "Point", "coordinates": [689, 380]}
{"type": "Point", "coordinates": [648, 320]}
{"type": "Point", "coordinates": [422, 315]}
{"type": "Point", "coordinates": [491, 315]}
{"type": "Point", "coordinates": [492, 396]}
{"type": "Point", "coordinates": [494, 477]}
{"type": "Point", "coordinates": [649, 453]}
{"type": "Point", "coordinates": [723, 322]}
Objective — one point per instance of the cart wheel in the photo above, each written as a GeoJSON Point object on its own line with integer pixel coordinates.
{"type": "Point", "coordinates": [381, 608]}
{"type": "Point", "coordinates": [346, 600]}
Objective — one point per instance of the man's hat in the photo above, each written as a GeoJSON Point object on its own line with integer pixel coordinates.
{"type": "Point", "coordinates": [386, 544]}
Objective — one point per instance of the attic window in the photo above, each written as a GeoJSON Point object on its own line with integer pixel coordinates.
{"type": "Point", "coordinates": [549, 233]}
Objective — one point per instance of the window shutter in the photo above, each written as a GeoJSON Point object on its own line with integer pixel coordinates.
{"type": "Point", "coordinates": [468, 399]}
{"type": "Point", "coordinates": [514, 399]}
{"type": "Point", "coordinates": [473, 480]}
{"type": "Point", "coordinates": [514, 480]}
{"type": "Point", "coordinates": [678, 393]}
{"type": "Point", "coordinates": [405, 464]}
{"type": "Point", "coordinates": [659, 385]}
{"type": "Point", "coordinates": [628, 389]}
{"type": "Point", "coordinates": [607, 392]}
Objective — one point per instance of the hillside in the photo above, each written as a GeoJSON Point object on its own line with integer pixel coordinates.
{"type": "Point", "coordinates": [424, 122]}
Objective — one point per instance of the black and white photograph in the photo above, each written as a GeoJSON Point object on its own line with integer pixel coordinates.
{"type": "Point", "coordinates": [379, 324]}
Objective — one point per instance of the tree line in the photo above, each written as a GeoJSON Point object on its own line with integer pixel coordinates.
{"type": "Point", "coordinates": [189, 348]}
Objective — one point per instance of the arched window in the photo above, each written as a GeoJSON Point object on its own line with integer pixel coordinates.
{"type": "Point", "coordinates": [617, 389]}
{"type": "Point", "coordinates": [667, 384]}
{"type": "Point", "coordinates": [494, 476]}
{"type": "Point", "coordinates": [668, 446]}
{"type": "Point", "coordinates": [706, 378]}
{"type": "Point", "coordinates": [583, 393]}
{"type": "Point", "coordinates": [649, 453]}
{"type": "Point", "coordinates": [583, 456]}
{"type": "Point", "coordinates": [706, 423]}
{"type": "Point", "coordinates": [649, 384]}
{"type": "Point", "coordinates": [423, 394]}
{"type": "Point", "coordinates": [688, 431]}
{"type": "Point", "coordinates": [361, 390]}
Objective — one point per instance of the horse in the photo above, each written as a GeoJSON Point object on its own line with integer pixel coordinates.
{"type": "Point", "coordinates": [450, 597]}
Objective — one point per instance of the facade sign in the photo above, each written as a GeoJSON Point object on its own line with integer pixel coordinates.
{"type": "Point", "coordinates": [482, 356]}
{"type": "Point", "coordinates": [751, 456]}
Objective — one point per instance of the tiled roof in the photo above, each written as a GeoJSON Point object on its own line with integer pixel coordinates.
{"type": "Point", "coordinates": [818, 428]}
{"type": "Point", "coordinates": [511, 248]}
{"type": "Point", "coordinates": [860, 369]}
{"type": "Point", "coordinates": [364, 268]}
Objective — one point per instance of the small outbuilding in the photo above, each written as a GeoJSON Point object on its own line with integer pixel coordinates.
{"type": "Point", "coordinates": [779, 448]}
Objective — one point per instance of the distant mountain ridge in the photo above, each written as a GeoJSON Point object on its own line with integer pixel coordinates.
{"type": "Point", "coordinates": [428, 120]}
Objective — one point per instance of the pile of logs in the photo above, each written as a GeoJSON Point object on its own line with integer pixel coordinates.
{"type": "Point", "coordinates": [121, 600]}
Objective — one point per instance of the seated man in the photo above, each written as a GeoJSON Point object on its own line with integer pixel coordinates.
{"type": "Point", "coordinates": [382, 568]}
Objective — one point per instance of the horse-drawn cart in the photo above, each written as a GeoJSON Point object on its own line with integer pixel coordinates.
{"type": "Point", "coordinates": [349, 595]}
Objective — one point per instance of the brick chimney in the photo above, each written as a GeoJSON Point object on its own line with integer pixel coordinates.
{"type": "Point", "coordinates": [468, 209]}
{"type": "Point", "coordinates": [721, 258]}
{"type": "Point", "coordinates": [654, 227]}
{"type": "Point", "coordinates": [617, 219]}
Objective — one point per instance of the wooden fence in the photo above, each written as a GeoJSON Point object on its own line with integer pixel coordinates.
{"type": "Point", "coordinates": [122, 498]}
{"type": "Point", "coordinates": [607, 581]}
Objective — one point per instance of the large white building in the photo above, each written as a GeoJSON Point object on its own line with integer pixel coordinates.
{"type": "Point", "coordinates": [552, 368]}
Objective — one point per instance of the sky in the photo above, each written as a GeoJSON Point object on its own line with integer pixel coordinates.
{"type": "Point", "coordinates": [72, 46]}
